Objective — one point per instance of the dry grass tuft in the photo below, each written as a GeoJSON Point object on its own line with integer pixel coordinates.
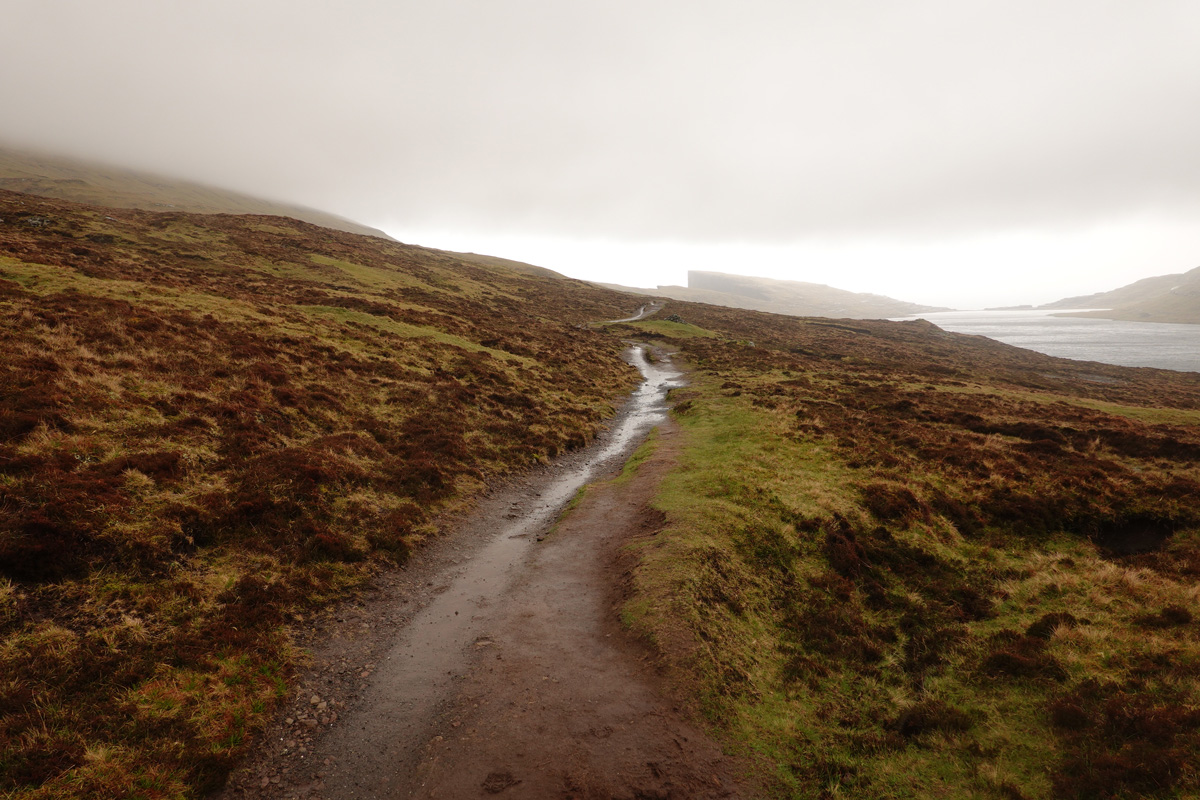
{"type": "Point", "coordinates": [207, 423]}
{"type": "Point", "coordinates": [903, 563]}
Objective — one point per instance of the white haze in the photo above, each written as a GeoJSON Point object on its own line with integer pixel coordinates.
{"type": "Point", "coordinates": [956, 153]}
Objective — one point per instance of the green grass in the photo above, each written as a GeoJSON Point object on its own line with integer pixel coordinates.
{"type": "Point", "coordinates": [205, 428]}
{"type": "Point", "coordinates": [644, 451]}
{"type": "Point", "coordinates": [674, 330]}
{"type": "Point", "coordinates": [373, 277]}
{"type": "Point", "coordinates": [208, 424]}
{"type": "Point", "coordinates": [849, 608]}
{"type": "Point", "coordinates": [407, 331]}
{"type": "Point", "coordinates": [1155, 414]}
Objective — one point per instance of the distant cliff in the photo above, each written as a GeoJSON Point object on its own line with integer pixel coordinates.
{"type": "Point", "coordinates": [795, 298]}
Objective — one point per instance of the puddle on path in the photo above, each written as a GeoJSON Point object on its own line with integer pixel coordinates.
{"type": "Point", "coordinates": [377, 747]}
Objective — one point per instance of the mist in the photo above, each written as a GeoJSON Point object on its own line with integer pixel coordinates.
{"type": "Point", "coordinates": [959, 154]}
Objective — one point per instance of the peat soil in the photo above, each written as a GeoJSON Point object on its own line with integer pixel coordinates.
{"type": "Point", "coordinates": [495, 664]}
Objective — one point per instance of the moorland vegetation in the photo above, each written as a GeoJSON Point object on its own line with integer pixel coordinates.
{"type": "Point", "coordinates": [894, 562]}
{"type": "Point", "coordinates": [211, 424]}
{"type": "Point", "coordinates": [902, 563]}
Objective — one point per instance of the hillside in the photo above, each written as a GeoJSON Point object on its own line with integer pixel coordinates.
{"type": "Point", "coordinates": [82, 181]}
{"type": "Point", "coordinates": [1164, 298]}
{"type": "Point", "coordinates": [889, 561]}
{"type": "Point", "coordinates": [211, 424]}
{"type": "Point", "coordinates": [794, 298]}
{"type": "Point", "coordinates": [895, 562]}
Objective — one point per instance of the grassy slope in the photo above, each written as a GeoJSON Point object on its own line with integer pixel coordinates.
{"type": "Point", "coordinates": [1180, 307]}
{"type": "Point", "coordinates": [905, 563]}
{"type": "Point", "coordinates": [210, 423]}
{"type": "Point", "coordinates": [893, 586]}
{"type": "Point", "coordinates": [1166, 298]}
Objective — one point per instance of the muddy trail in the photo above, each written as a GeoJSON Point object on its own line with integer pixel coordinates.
{"type": "Point", "coordinates": [497, 665]}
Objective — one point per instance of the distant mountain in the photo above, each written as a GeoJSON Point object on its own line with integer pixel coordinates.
{"type": "Point", "coordinates": [1165, 298]}
{"type": "Point", "coordinates": [82, 181]}
{"type": "Point", "coordinates": [795, 298]}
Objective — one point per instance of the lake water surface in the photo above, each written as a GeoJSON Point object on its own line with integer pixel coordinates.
{"type": "Point", "coordinates": [1128, 344]}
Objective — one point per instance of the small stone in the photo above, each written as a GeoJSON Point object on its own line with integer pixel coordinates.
{"type": "Point", "coordinates": [497, 782]}
{"type": "Point", "coordinates": [289, 721]}
{"type": "Point", "coordinates": [314, 700]}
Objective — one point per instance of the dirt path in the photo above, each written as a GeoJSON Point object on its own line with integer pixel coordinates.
{"type": "Point", "coordinates": [497, 666]}
{"type": "Point", "coordinates": [645, 311]}
{"type": "Point", "coordinates": [557, 702]}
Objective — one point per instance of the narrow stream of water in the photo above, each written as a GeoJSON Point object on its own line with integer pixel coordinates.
{"type": "Point", "coordinates": [419, 673]}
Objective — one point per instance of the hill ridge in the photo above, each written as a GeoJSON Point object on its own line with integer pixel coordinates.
{"type": "Point", "coordinates": [1163, 298]}
{"type": "Point", "coordinates": [90, 182]}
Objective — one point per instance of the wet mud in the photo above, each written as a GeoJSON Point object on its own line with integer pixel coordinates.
{"type": "Point", "coordinates": [499, 668]}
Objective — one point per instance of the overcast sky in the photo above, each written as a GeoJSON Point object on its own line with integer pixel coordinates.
{"type": "Point", "coordinates": [957, 152]}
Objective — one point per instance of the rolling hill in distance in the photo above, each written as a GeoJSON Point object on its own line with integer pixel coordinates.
{"type": "Point", "coordinates": [886, 560]}
{"type": "Point", "coordinates": [794, 298]}
{"type": "Point", "coordinates": [1164, 298]}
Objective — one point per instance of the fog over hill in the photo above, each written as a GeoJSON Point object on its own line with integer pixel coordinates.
{"type": "Point", "coordinates": [49, 175]}
{"type": "Point", "coordinates": [795, 298]}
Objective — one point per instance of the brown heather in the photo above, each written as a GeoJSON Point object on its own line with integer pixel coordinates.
{"type": "Point", "coordinates": [905, 563]}
{"type": "Point", "coordinates": [210, 423]}
{"type": "Point", "coordinates": [896, 562]}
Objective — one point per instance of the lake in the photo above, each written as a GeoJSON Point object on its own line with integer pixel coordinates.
{"type": "Point", "coordinates": [1128, 344]}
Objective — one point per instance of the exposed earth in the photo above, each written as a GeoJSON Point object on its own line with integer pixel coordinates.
{"type": "Point", "coordinates": [496, 665]}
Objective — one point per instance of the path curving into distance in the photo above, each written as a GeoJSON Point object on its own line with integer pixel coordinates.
{"type": "Point", "coordinates": [642, 313]}
{"type": "Point", "coordinates": [503, 671]}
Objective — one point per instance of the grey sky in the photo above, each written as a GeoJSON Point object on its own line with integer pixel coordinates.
{"type": "Point", "coordinates": [635, 139]}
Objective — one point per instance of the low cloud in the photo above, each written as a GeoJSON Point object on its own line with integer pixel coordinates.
{"type": "Point", "coordinates": [690, 121]}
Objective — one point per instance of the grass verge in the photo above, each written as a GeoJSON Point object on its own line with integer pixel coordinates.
{"type": "Point", "coordinates": [875, 586]}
